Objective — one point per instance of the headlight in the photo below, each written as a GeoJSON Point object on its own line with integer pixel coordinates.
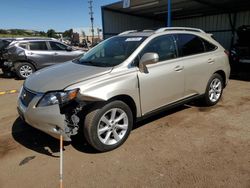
{"type": "Point", "coordinates": [57, 97]}
{"type": "Point", "coordinates": [20, 92]}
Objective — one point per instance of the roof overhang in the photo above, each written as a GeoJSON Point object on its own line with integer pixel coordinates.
{"type": "Point", "coordinates": [157, 9]}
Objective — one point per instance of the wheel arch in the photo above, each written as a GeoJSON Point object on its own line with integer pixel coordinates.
{"type": "Point", "coordinates": [16, 63]}
{"type": "Point", "coordinates": [223, 75]}
{"type": "Point", "coordinates": [129, 101]}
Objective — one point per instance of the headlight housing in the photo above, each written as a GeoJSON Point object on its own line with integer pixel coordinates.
{"type": "Point", "coordinates": [58, 97]}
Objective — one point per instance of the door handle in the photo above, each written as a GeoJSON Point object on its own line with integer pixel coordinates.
{"type": "Point", "coordinates": [56, 53]}
{"type": "Point", "coordinates": [210, 60]}
{"type": "Point", "coordinates": [178, 68]}
{"type": "Point", "coordinates": [30, 53]}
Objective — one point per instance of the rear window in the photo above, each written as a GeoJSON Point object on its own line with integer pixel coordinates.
{"type": "Point", "coordinates": [57, 46]}
{"type": "Point", "coordinates": [189, 44]}
{"type": "Point", "coordinates": [38, 46]}
{"type": "Point", "coordinates": [208, 46]}
{"type": "Point", "coordinates": [23, 45]}
{"type": "Point", "coordinates": [4, 44]}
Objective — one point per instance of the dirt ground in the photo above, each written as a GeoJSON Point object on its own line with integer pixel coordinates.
{"type": "Point", "coordinates": [189, 146]}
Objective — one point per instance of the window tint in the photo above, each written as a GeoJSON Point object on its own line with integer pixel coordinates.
{"type": "Point", "coordinates": [38, 46]}
{"type": "Point", "coordinates": [189, 44]}
{"type": "Point", "coordinates": [57, 46]}
{"type": "Point", "coordinates": [23, 45]}
{"type": "Point", "coordinates": [164, 46]}
{"type": "Point", "coordinates": [208, 46]}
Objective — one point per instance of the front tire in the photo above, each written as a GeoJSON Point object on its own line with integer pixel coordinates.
{"type": "Point", "coordinates": [24, 70]}
{"type": "Point", "coordinates": [214, 90]}
{"type": "Point", "coordinates": [108, 125]}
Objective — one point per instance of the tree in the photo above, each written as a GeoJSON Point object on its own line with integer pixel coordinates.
{"type": "Point", "coordinates": [68, 33]}
{"type": "Point", "coordinates": [42, 33]}
{"type": "Point", "coordinates": [2, 31]}
{"type": "Point", "coordinates": [51, 33]}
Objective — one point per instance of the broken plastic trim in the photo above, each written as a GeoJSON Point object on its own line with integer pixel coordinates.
{"type": "Point", "coordinates": [72, 119]}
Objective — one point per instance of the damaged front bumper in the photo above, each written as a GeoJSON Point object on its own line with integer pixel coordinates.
{"type": "Point", "coordinates": [48, 119]}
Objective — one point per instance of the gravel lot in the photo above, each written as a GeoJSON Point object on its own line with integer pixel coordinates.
{"type": "Point", "coordinates": [189, 146]}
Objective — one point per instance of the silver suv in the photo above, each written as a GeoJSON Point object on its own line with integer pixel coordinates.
{"type": "Point", "coordinates": [123, 79]}
{"type": "Point", "coordinates": [26, 56]}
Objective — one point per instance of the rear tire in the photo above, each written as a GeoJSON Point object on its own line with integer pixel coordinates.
{"type": "Point", "coordinates": [108, 125]}
{"type": "Point", "coordinates": [214, 90]}
{"type": "Point", "coordinates": [24, 70]}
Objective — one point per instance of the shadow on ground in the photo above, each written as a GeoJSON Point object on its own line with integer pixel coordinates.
{"type": "Point", "coordinates": [34, 139]}
{"type": "Point", "coordinates": [42, 143]}
{"type": "Point", "coordinates": [80, 144]}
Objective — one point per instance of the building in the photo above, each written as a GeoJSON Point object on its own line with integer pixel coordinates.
{"type": "Point", "coordinates": [221, 18]}
{"type": "Point", "coordinates": [84, 33]}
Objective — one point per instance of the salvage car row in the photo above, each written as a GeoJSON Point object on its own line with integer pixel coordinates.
{"type": "Point", "coordinates": [23, 56]}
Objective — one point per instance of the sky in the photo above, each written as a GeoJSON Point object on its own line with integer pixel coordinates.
{"type": "Point", "coordinates": [42, 15]}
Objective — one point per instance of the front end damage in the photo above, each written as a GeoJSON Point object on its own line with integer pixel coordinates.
{"type": "Point", "coordinates": [55, 119]}
{"type": "Point", "coordinates": [71, 114]}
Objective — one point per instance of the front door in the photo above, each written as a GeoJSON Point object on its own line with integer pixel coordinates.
{"type": "Point", "coordinates": [61, 53]}
{"type": "Point", "coordinates": [164, 82]}
{"type": "Point", "coordinates": [39, 54]}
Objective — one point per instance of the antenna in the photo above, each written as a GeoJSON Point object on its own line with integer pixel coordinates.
{"type": "Point", "coordinates": [91, 13]}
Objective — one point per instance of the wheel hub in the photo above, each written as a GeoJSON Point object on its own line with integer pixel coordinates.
{"type": "Point", "coordinates": [112, 126]}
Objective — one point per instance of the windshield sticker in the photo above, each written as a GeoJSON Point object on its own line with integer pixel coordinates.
{"type": "Point", "coordinates": [133, 39]}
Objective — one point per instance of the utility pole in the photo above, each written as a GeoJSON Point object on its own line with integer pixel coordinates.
{"type": "Point", "coordinates": [91, 19]}
{"type": "Point", "coordinates": [169, 24]}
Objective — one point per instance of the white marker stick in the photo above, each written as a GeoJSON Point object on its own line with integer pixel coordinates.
{"type": "Point", "coordinates": [61, 161]}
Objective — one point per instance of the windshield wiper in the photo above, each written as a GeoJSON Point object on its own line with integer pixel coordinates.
{"type": "Point", "coordinates": [88, 62]}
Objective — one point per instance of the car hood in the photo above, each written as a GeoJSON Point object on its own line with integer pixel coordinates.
{"type": "Point", "coordinates": [60, 76]}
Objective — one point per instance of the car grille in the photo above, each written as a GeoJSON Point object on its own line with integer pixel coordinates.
{"type": "Point", "coordinates": [26, 97]}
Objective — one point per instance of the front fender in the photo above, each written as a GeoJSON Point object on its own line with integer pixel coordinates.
{"type": "Point", "coordinates": [103, 89]}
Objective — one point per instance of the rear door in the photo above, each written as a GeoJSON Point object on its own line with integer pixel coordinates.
{"type": "Point", "coordinates": [196, 61]}
{"type": "Point", "coordinates": [61, 52]}
{"type": "Point", "coordinates": [164, 82]}
{"type": "Point", "coordinates": [38, 53]}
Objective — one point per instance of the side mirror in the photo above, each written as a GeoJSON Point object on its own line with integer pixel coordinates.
{"type": "Point", "coordinates": [69, 48]}
{"type": "Point", "coordinates": [146, 59]}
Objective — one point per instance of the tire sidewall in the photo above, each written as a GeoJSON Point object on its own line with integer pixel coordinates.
{"type": "Point", "coordinates": [97, 144]}
{"type": "Point", "coordinates": [207, 99]}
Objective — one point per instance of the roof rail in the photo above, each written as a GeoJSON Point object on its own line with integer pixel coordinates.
{"type": "Point", "coordinates": [127, 32]}
{"type": "Point", "coordinates": [179, 28]}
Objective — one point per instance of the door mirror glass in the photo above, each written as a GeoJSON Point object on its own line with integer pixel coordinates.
{"type": "Point", "coordinates": [146, 59]}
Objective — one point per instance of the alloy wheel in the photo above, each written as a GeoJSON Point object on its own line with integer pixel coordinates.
{"type": "Point", "coordinates": [112, 126]}
{"type": "Point", "coordinates": [215, 90]}
{"type": "Point", "coordinates": [25, 71]}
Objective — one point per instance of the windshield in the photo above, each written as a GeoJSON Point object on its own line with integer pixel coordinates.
{"type": "Point", "coordinates": [111, 52]}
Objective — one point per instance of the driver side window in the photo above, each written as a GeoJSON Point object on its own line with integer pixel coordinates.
{"type": "Point", "coordinates": [164, 46]}
{"type": "Point", "coordinates": [57, 46]}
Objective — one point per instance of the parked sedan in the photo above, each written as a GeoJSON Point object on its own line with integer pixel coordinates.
{"type": "Point", "coordinates": [27, 56]}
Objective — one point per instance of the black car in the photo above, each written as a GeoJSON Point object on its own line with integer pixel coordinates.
{"type": "Point", "coordinates": [240, 52]}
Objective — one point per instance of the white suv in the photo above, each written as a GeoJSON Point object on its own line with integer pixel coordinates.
{"type": "Point", "coordinates": [123, 79]}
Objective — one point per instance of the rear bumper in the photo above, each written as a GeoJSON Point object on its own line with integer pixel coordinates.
{"type": "Point", "coordinates": [47, 119]}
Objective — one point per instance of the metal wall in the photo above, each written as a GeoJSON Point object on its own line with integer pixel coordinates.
{"type": "Point", "coordinates": [219, 25]}
{"type": "Point", "coordinates": [116, 22]}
